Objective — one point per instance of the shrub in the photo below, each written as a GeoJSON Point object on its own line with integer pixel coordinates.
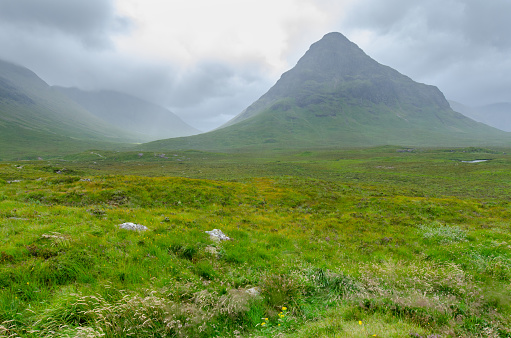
{"type": "Point", "coordinates": [337, 284]}
{"type": "Point", "coordinates": [279, 290]}
{"type": "Point", "coordinates": [187, 252]}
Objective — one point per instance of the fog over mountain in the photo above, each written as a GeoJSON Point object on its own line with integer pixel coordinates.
{"type": "Point", "coordinates": [143, 118]}
{"type": "Point", "coordinates": [36, 120]}
{"type": "Point", "coordinates": [207, 65]}
{"type": "Point", "coordinates": [497, 115]}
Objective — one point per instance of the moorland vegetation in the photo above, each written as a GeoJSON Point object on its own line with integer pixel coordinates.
{"type": "Point", "coordinates": [378, 242]}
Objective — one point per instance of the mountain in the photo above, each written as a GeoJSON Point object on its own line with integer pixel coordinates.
{"type": "Point", "coordinates": [337, 96]}
{"type": "Point", "coordinates": [36, 120]}
{"type": "Point", "coordinates": [146, 119]}
{"type": "Point", "coordinates": [497, 115]}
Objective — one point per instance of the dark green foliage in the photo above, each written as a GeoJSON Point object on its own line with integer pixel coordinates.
{"type": "Point", "coordinates": [203, 269]}
{"type": "Point", "coordinates": [43, 252]}
{"type": "Point", "coordinates": [333, 283]}
{"type": "Point", "coordinates": [186, 252]}
{"type": "Point", "coordinates": [280, 290]}
{"type": "Point", "coordinates": [414, 314]}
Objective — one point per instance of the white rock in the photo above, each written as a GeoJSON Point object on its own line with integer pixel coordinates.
{"type": "Point", "coordinates": [254, 292]}
{"type": "Point", "coordinates": [132, 226]}
{"type": "Point", "coordinates": [217, 235]}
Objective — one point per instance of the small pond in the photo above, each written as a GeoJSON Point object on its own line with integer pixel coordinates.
{"type": "Point", "coordinates": [475, 161]}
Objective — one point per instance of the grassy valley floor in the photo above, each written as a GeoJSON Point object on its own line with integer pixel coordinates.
{"type": "Point", "coordinates": [379, 242]}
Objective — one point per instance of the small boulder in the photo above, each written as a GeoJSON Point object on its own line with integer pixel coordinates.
{"type": "Point", "coordinates": [254, 292]}
{"type": "Point", "coordinates": [14, 181]}
{"type": "Point", "coordinates": [132, 226]}
{"type": "Point", "coordinates": [217, 235]}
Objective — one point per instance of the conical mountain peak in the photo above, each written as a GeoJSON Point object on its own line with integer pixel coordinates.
{"type": "Point", "coordinates": [334, 42]}
{"type": "Point", "coordinates": [337, 95]}
{"type": "Point", "coordinates": [334, 55]}
{"type": "Point", "coordinates": [336, 67]}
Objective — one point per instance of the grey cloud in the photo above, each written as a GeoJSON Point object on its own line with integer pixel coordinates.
{"type": "Point", "coordinates": [204, 80]}
{"type": "Point", "coordinates": [90, 21]}
{"type": "Point", "coordinates": [461, 46]}
{"type": "Point", "coordinates": [205, 96]}
{"type": "Point", "coordinates": [213, 111]}
{"type": "Point", "coordinates": [213, 79]}
{"type": "Point", "coordinates": [478, 22]}
{"type": "Point", "coordinates": [58, 59]}
{"type": "Point", "coordinates": [488, 23]}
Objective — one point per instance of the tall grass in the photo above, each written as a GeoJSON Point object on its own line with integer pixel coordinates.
{"type": "Point", "coordinates": [383, 255]}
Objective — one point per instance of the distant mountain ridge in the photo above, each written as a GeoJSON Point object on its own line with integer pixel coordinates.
{"type": "Point", "coordinates": [38, 120]}
{"type": "Point", "coordinates": [497, 115]}
{"type": "Point", "coordinates": [337, 96]}
{"type": "Point", "coordinates": [149, 120]}
{"type": "Point", "coordinates": [35, 119]}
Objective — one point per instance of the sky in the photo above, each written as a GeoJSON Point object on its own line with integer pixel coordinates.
{"type": "Point", "coordinates": [208, 60]}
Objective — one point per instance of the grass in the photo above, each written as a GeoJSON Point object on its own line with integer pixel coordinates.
{"type": "Point", "coordinates": [338, 122]}
{"type": "Point", "coordinates": [345, 243]}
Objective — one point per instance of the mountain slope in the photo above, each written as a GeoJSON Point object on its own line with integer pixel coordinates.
{"type": "Point", "coordinates": [149, 120]}
{"type": "Point", "coordinates": [337, 96]}
{"type": "Point", "coordinates": [35, 119]}
{"type": "Point", "coordinates": [497, 115]}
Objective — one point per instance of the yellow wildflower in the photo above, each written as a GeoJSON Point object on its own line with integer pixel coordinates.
{"type": "Point", "coordinates": [284, 308]}
{"type": "Point", "coordinates": [359, 322]}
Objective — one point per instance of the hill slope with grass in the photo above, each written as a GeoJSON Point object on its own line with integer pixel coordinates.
{"type": "Point", "coordinates": [151, 121]}
{"type": "Point", "coordinates": [337, 95]}
{"type": "Point", "coordinates": [37, 120]}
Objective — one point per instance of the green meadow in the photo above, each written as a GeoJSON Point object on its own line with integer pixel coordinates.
{"type": "Point", "coordinates": [373, 242]}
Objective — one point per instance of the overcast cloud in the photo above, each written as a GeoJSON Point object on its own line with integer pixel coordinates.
{"type": "Point", "coordinates": [208, 60]}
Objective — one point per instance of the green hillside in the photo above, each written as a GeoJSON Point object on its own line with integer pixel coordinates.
{"type": "Point", "coordinates": [149, 121]}
{"type": "Point", "coordinates": [337, 96]}
{"type": "Point", "coordinates": [36, 120]}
